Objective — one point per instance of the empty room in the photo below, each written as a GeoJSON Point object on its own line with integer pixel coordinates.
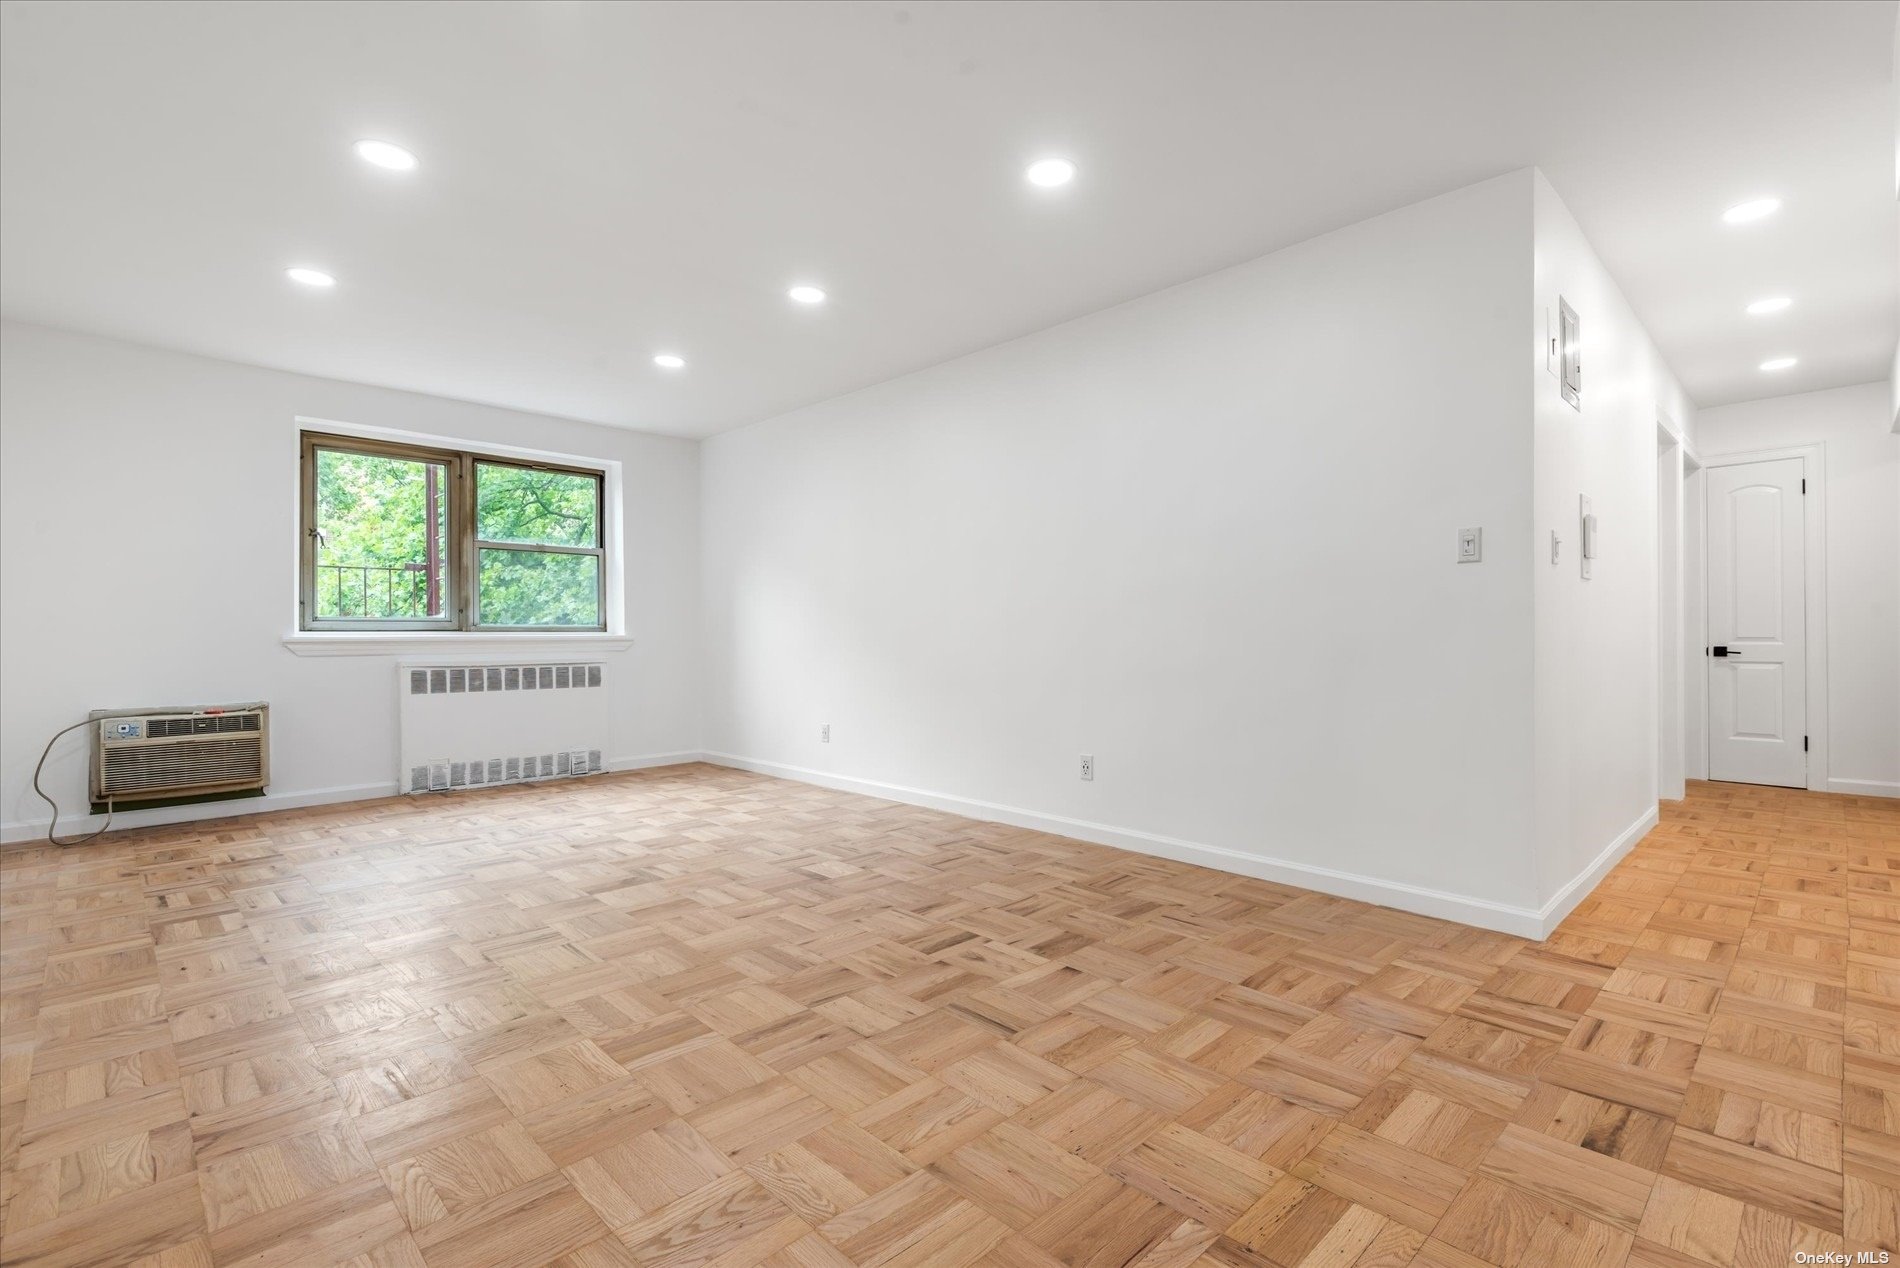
{"type": "Point", "coordinates": [949, 634]}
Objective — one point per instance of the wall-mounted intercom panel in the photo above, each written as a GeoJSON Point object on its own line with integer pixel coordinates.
{"type": "Point", "coordinates": [1569, 352]}
{"type": "Point", "coordinates": [1586, 535]}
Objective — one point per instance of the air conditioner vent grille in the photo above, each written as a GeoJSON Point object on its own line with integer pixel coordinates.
{"type": "Point", "coordinates": [142, 755]}
{"type": "Point", "coordinates": [203, 724]}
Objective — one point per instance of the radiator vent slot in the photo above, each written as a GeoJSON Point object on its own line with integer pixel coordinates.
{"type": "Point", "coordinates": [459, 679]}
{"type": "Point", "coordinates": [479, 772]}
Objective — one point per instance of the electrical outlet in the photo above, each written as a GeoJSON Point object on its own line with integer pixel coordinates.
{"type": "Point", "coordinates": [1470, 545]}
{"type": "Point", "coordinates": [824, 733]}
{"type": "Point", "coordinates": [1088, 766]}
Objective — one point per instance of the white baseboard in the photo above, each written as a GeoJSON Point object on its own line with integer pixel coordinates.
{"type": "Point", "coordinates": [1864, 787]}
{"type": "Point", "coordinates": [1523, 921]}
{"type": "Point", "coordinates": [654, 759]}
{"type": "Point", "coordinates": [1580, 886]}
{"type": "Point", "coordinates": [78, 825]}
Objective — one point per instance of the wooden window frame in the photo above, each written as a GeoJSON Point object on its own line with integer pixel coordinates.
{"type": "Point", "coordinates": [473, 546]}
{"type": "Point", "coordinates": [462, 562]}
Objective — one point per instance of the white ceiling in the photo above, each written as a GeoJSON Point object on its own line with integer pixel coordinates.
{"type": "Point", "coordinates": [603, 182]}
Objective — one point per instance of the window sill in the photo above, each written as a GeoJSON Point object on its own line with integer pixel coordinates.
{"type": "Point", "coordinates": [465, 647]}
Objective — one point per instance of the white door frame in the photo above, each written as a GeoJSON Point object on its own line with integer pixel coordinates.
{"type": "Point", "coordinates": [1695, 622]}
{"type": "Point", "coordinates": [1675, 457]}
{"type": "Point", "coordinates": [1814, 530]}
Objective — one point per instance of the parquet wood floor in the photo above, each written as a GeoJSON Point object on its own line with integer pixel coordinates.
{"type": "Point", "coordinates": [700, 1017]}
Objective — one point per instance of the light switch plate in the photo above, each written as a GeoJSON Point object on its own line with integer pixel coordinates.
{"type": "Point", "coordinates": [1470, 545]}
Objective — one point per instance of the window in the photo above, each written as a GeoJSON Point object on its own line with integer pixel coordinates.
{"type": "Point", "coordinates": [401, 537]}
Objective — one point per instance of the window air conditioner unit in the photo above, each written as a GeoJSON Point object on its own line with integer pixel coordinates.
{"type": "Point", "coordinates": [145, 755]}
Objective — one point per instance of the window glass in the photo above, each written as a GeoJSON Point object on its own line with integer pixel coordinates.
{"type": "Point", "coordinates": [382, 537]}
{"type": "Point", "coordinates": [533, 587]}
{"type": "Point", "coordinates": [524, 504]}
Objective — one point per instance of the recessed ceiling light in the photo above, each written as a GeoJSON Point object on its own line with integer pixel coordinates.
{"type": "Point", "coordinates": [1050, 173]}
{"type": "Point", "coordinates": [310, 277]}
{"type": "Point", "coordinates": [668, 361]}
{"type": "Point", "coordinates": [806, 295]}
{"type": "Point", "coordinates": [1753, 209]}
{"type": "Point", "coordinates": [1762, 307]}
{"type": "Point", "coordinates": [386, 154]}
{"type": "Point", "coordinates": [1778, 363]}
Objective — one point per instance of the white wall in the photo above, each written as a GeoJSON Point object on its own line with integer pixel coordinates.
{"type": "Point", "coordinates": [1596, 670]}
{"type": "Point", "coordinates": [1862, 460]}
{"type": "Point", "coordinates": [1208, 537]}
{"type": "Point", "coordinates": [147, 505]}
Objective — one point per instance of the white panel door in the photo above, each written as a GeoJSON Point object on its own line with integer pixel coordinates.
{"type": "Point", "coordinates": [1758, 668]}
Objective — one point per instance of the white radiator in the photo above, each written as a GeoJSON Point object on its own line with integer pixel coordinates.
{"type": "Point", "coordinates": [468, 726]}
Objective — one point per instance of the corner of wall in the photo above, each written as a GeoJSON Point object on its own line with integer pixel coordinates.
{"type": "Point", "coordinates": [1595, 697]}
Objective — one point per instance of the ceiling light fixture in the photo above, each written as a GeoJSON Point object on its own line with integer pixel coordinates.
{"type": "Point", "coordinates": [1050, 173]}
{"type": "Point", "coordinates": [1762, 307]}
{"type": "Point", "coordinates": [1753, 209]}
{"type": "Point", "coordinates": [1778, 363]}
{"type": "Point", "coordinates": [309, 277]}
{"type": "Point", "coordinates": [806, 295]}
{"type": "Point", "coordinates": [668, 361]}
{"type": "Point", "coordinates": [386, 154]}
